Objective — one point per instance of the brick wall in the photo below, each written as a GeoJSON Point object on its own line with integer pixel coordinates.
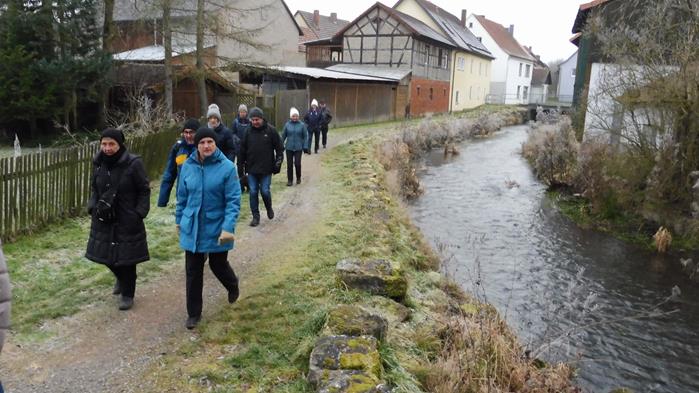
{"type": "Point", "coordinates": [428, 96]}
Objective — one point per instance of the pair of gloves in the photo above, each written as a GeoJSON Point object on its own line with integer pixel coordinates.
{"type": "Point", "coordinates": [224, 237]}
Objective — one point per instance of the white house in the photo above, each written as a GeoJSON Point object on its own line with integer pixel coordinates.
{"type": "Point", "coordinates": [512, 69]}
{"type": "Point", "coordinates": [566, 78]}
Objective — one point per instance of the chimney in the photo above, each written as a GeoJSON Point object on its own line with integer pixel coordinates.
{"type": "Point", "coordinates": [333, 17]}
{"type": "Point", "coordinates": [463, 18]}
{"type": "Point", "coordinates": [511, 29]}
{"type": "Point", "coordinates": [316, 18]}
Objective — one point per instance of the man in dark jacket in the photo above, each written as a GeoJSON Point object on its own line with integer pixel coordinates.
{"type": "Point", "coordinates": [5, 297]}
{"type": "Point", "coordinates": [225, 141]}
{"type": "Point", "coordinates": [313, 121]}
{"type": "Point", "coordinates": [179, 153]}
{"type": "Point", "coordinates": [261, 155]}
{"type": "Point", "coordinates": [325, 119]}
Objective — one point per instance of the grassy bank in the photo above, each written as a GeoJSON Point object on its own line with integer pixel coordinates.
{"type": "Point", "coordinates": [439, 340]}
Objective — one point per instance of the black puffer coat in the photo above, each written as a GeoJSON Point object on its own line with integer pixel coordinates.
{"type": "Point", "coordinates": [124, 241]}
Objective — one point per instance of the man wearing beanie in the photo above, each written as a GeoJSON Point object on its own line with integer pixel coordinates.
{"type": "Point", "coordinates": [261, 155]}
{"type": "Point", "coordinates": [5, 298]}
{"type": "Point", "coordinates": [182, 149]}
{"type": "Point", "coordinates": [225, 140]}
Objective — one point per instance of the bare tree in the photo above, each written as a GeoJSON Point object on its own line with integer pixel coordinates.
{"type": "Point", "coordinates": [167, 46]}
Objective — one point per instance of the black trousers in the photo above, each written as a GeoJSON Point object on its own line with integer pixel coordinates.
{"type": "Point", "coordinates": [194, 265]}
{"type": "Point", "coordinates": [324, 131]}
{"type": "Point", "coordinates": [127, 279]}
{"type": "Point", "coordinates": [293, 160]}
{"type": "Point", "coordinates": [314, 134]}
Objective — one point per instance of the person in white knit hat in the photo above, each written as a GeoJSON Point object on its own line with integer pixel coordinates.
{"type": "Point", "coordinates": [313, 122]}
{"type": "Point", "coordinates": [225, 140]}
{"type": "Point", "coordinates": [295, 138]}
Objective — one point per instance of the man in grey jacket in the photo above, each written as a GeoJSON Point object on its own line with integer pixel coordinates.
{"type": "Point", "coordinates": [4, 301]}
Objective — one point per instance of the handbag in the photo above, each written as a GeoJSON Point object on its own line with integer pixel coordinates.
{"type": "Point", "coordinates": [105, 208]}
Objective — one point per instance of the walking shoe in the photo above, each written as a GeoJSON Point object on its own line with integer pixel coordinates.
{"type": "Point", "coordinates": [192, 322]}
{"type": "Point", "coordinates": [117, 288]}
{"type": "Point", "coordinates": [289, 184]}
{"type": "Point", "coordinates": [233, 295]}
{"type": "Point", "coordinates": [298, 181]}
{"type": "Point", "coordinates": [316, 151]}
{"type": "Point", "coordinates": [255, 221]}
{"type": "Point", "coordinates": [325, 147]}
{"type": "Point", "coordinates": [125, 303]}
{"type": "Point", "coordinates": [270, 213]}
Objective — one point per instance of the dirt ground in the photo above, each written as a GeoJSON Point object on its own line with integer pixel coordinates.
{"type": "Point", "coordinates": [102, 349]}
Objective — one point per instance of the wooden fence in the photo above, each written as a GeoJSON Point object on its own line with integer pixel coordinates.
{"type": "Point", "coordinates": [39, 188]}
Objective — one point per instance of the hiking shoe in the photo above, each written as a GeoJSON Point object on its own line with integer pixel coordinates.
{"type": "Point", "coordinates": [233, 295]}
{"type": "Point", "coordinates": [325, 147]}
{"type": "Point", "coordinates": [289, 184]}
{"type": "Point", "coordinates": [270, 213]}
{"type": "Point", "coordinates": [125, 303]}
{"type": "Point", "coordinates": [192, 322]}
{"type": "Point", "coordinates": [298, 181]}
{"type": "Point", "coordinates": [255, 221]}
{"type": "Point", "coordinates": [117, 288]}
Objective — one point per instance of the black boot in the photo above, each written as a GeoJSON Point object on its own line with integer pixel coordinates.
{"type": "Point", "coordinates": [233, 293]}
{"type": "Point", "coordinates": [125, 303]}
{"type": "Point", "coordinates": [268, 205]}
{"type": "Point", "coordinates": [192, 322]}
{"type": "Point", "coordinates": [255, 221]}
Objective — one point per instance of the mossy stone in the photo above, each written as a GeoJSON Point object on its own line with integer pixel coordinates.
{"type": "Point", "coordinates": [359, 353]}
{"type": "Point", "coordinates": [355, 321]}
{"type": "Point", "coordinates": [351, 381]}
{"type": "Point", "coordinates": [378, 277]}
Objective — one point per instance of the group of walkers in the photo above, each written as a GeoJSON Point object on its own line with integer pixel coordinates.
{"type": "Point", "coordinates": [209, 185]}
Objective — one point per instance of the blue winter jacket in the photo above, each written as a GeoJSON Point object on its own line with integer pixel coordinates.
{"type": "Point", "coordinates": [178, 155]}
{"type": "Point", "coordinates": [208, 201]}
{"type": "Point", "coordinates": [295, 135]}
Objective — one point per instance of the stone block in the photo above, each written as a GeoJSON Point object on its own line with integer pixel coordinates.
{"type": "Point", "coordinates": [378, 277]}
{"type": "Point", "coordinates": [355, 321]}
{"type": "Point", "coordinates": [344, 353]}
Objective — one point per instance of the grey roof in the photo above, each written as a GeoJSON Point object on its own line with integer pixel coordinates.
{"type": "Point", "coordinates": [460, 35]}
{"type": "Point", "coordinates": [420, 28]}
{"type": "Point", "coordinates": [394, 74]}
{"type": "Point", "coordinates": [326, 28]}
{"type": "Point", "coordinates": [318, 73]}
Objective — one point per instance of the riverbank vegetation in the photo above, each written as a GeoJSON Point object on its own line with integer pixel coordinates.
{"type": "Point", "coordinates": [636, 167]}
{"type": "Point", "coordinates": [439, 339]}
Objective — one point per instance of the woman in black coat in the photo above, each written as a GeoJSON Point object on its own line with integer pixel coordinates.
{"type": "Point", "coordinates": [119, 202]}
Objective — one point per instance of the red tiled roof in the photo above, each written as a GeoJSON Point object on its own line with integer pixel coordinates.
{"type": "Point", "coordinates": [503, 38]}
{"type": "Point", "coordinates": [327, 27]}
{"type": "Point", "coordinates": [591, 4]}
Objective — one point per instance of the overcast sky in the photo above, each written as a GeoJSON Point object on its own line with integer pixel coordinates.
{"type": "Point", "coordinates": [544, 25]}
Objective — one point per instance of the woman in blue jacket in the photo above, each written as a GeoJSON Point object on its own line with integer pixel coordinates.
{"type": "Point", "coordinates": [295, 139]}
{"type": "Point", "coordinates": [208, 204]}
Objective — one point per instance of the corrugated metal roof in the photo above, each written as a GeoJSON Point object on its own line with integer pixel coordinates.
{"type": "Point", "coordinates": [153, 53]}
{"type": "Point", "coordinates": [318, 73]}
{"type": "Point", "coordinates": [394, 74]}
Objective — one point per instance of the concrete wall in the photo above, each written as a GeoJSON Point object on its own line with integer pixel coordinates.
{"type": "Point", "coordinates": [566, 79]}
{"type": "Point", "coordinates": [357, 103]}
{"type": "Point", "coordinates": [268, 23]}
{"type": "Point", "coordinates": [471, 81]}
{"type": "Point", "coordinates": [428, 96]}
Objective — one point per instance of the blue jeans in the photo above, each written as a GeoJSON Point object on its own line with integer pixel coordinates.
{"type": "Point", "coordinates": [259, 184]}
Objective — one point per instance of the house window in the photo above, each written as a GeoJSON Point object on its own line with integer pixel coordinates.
{"type": "Point", "coordinates": [418, 90]}
{"type": "Point", "coordinates": [439, 60]}
{"type": "Point", "coordinates": [572, 73]}
{"type": "Point", "coordinates": [470, 92]}
{"type": "Point", "coordinates": [472, 66]}
{"type": "Point", "coordinates": [461, 63]}
{"type": "Point", "coordinates": [427, 55]}
{"type": "Point", "coordinates": [520, 70]}
{"type": "Point", "coordinates": [519, 92]}
{"type": "Point", "coordinates": [431, 93]}
{"type": "Point", "coordinates": [525, 92]}
{"type": "Point", "coordinates": [480, 68]}
{"type": "Point", "coordinates": [445, 92]}
{"type": "Point", "coordinates": [457, 98]}
{"type": "Point", "coordinates": [470, 25]}
{"type": "Point", "coordinates": [529, 69]}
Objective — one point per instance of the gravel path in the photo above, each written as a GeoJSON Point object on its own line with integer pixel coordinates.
{"type": "Point", "coordinates": [102, 349]}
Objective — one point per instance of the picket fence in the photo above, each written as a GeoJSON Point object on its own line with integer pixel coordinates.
{"type": "Point", "coordinates": [39, 188]}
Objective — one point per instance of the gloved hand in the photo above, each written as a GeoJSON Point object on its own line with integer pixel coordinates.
{"type": "Point", "coordinates": [225, 237]}
{"type": "Point", "coordinates": [307, 151]}
{"type": "Point", "coordinates": [278, 165]}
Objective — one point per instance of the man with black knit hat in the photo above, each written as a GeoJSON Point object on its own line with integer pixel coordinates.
{"type": "Point", "coordinates": [225, 140]}
{"type": "Point", "coordinates": [178, 154]}
{"type": "Point", "coordinates": [261, 155]}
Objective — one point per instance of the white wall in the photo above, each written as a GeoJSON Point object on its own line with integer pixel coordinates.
{"type": "Point", "coordinates": [515, 81]}
{"type": "Point", "coordinates": [566, 79]}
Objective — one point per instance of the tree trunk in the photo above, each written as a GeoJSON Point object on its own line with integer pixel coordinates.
{"type": "Point", "coordinates": [201, 74]}
{"type": "Point", "coordinates": [107, 35]}
{"type": "Point", "coordinates": [167, 44]}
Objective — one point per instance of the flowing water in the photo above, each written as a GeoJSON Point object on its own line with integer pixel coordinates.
{"type": "Point", "coordinates": [571, 294]}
